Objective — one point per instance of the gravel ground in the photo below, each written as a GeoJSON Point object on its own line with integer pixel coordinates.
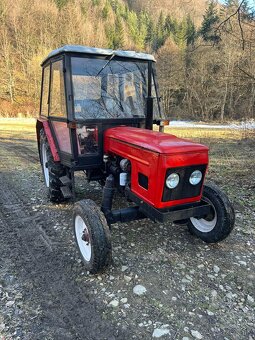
{"type": "Point", "coordinates": [163, 282]}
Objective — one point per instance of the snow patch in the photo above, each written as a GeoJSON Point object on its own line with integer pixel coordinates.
{"type": "Point", "coordinates": [249, 125]}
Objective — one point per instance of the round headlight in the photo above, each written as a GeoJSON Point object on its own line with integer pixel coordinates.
{"type": "Point", "coordinates": [195, 177]}
{"type": "Point", "coordinates": [172, 181]}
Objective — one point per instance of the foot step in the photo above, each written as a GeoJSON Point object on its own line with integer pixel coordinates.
{"type": "Point", "coordinates": [66, 192]}
{"type": "Point", "coordinates": [65, 180]}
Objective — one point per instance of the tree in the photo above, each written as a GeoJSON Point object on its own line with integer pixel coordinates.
{"type": "Point", "coordinates": [132, 22]}
{"type": "Point", "coordinates": [106, 10]}
{"type": "Point", "coordinates": [208, 80]}
{"type": "Point", "coordinates": [150, 35]}
{"type": "Point", "coordinates": [180, 36]}
{"type": "Point", "coordinates": [160, 32]}
{"type": "Point", "coordinates": [61, 3]}
{"type": "Point", "coordinates": [170, 25]}
{"type": "Point", "coordinates": [207, 30]}
{"type": "Point", "coordinates": [118, 39]}
{"type": "Point", "coordinates": [143, 19]}
{"type": "Point", "coordinates": [191, 31]}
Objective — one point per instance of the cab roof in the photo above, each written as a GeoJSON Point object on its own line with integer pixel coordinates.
{"type": "Point", "coordinates": [98, 51]}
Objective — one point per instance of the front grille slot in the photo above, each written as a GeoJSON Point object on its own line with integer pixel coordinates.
{"type": "Point", "coordinates": [184, 189]}
{"type": "Point", "coordinates": [143, 180]}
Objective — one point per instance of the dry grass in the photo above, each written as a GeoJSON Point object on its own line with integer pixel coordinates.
{"type": "Point", "coordinates": [209, 134]}
{"type": "Point", "coordinates": [17, 123]}
{"type": "Point", "coordinates": [17, 128]}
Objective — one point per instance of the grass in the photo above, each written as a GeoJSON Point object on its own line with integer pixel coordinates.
{"type": "Point", "coordinates": [17, 123]}
{"type": "Point", "coordinates": [211, 134]}
{"type": "Point", "coordinates": [17, 128]}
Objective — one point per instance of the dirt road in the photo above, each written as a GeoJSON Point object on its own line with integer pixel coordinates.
{"type": "Point", "coordinates": [193, 291]}
{"type": "Point", "coordinates": [36, 264]}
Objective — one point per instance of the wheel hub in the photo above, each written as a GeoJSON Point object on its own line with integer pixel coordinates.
{"type": "Point", "coordinates": [207, 223]}
{"type": "Point", "coordinates": [85, 236]}
{"type": "Point", "coordinates": [210, 216]}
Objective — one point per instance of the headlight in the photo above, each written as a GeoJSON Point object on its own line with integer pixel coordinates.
{"type": "Point", "coordinates": [195, 177]}
{"type": "Point", "coordinates": [172, 181]}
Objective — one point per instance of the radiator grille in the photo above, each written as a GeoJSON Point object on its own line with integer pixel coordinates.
{"type": "Point", "coordinates": [184, 189]}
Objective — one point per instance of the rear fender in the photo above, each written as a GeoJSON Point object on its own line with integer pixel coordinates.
{"type": "Point", "coordinates": [43, 124]}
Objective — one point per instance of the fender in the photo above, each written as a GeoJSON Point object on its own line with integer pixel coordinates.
{"type": "Point", "coordinates": [41, 123]}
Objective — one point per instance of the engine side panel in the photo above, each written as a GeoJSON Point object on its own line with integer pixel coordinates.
{"type": "Point", "coordinates": [148, 168]}
{"type": "Point", "coordinates": [142, 162]}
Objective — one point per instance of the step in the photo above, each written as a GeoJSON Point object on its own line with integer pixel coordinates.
{"type": "Point", "coordinates": [65, 180]}
{"type": "Point", "coordinates": [66, 192]}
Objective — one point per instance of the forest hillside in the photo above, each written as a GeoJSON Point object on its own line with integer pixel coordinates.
{"type": "Point", "coordinates": [205, 51]}
{"type": "Point", "coordinates": [177, 8]}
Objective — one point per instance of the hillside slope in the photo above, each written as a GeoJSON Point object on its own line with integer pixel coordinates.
{"type": "Point", "coordinates": [176, 8]}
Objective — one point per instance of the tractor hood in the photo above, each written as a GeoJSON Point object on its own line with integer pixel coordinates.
{"type": "Point", "coordinates": [151, 140]}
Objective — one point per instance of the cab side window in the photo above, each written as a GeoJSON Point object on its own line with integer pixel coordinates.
{"type": "Point", "coordinates": [57, 94]}
{"type": "Point", "coordinates": [45, 91]}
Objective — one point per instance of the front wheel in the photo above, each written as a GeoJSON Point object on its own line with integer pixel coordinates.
{"type": "Point", "coordinates": [218, 224]}
{"type": "Point", "coordinates": [92, 236]}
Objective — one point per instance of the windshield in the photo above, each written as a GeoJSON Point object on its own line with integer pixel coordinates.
{"type": "Point", "coordinates": [110, 88]}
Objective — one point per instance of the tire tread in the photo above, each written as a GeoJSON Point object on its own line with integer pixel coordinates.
{"type": "Point", "coordinates": [226, 215]}
{"type": "Point", "coordinates": [56, 170]}
{"type": "Point", "coordinates": [100, 235]}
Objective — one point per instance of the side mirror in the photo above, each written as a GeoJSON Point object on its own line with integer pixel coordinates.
{"type": "Point", "coordinates": [161, 123]}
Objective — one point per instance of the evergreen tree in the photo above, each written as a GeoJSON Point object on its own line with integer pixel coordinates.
{"type": "Point", "coordinates": [143, 19]}
{"type": "Point", "coordinates": [118, 39]}
{"type": "Point", "coordinates": [126, 11]}
{"type": "Point", "coordinates": [106, 10]}
{"type": "Point", "coordinates": [150, 35]}
{"type": "Point", "coordinates": [114, 4]}
{"type": "Point", "coordinates": [170, 25]}
{"type": "Point", "coordinates": [180, 36]}
{"type": "Point", "coordinates": [191, 31]}
{"type": "Point", "coordinates": [61, 3]}
{"type": "Point", "coordinates": [84, 8]}
{"type": "Point", "coordinates": [132, 22]}
{"type": "Point", "coordinates": [95, 2]}
{"type": "Point", "coordinates": [160, 32]}
{"type": "Point", "coordinates": [110, 34]}
{"type": "Point", "coordinates": [207, 30]}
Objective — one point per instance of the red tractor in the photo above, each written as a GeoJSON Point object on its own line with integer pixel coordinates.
{"type": "Point", "coordinates": [97, 111]}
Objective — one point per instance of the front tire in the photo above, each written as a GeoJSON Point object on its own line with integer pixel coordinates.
{"type": "Point", "coordinates": [218, 224]}
{"type": "Point", "coordinates": [92, 236]}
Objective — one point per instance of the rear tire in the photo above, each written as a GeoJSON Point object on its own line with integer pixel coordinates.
{"type": "Point", "coordinates": [92, 236]}
{"type": "Point", "coordinates": [52, 170]}
{"type": "Point", "coordinates": [218, 224]}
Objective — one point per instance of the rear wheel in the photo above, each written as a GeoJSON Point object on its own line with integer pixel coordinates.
{"type": "Point", "coordinates": [52, 170]}
{"type": "Point", "coordinates": [92, 236]}
{"type": "Point", "coordinates": [218, 224]}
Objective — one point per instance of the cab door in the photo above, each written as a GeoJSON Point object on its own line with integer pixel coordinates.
{"type": "Point", "coordinates": [58, 112]}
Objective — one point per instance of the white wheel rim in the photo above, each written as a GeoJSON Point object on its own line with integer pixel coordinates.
{"type": "Point", "coordinates": [81, 231]}
{"type": "Point", "coordinates": [203, 225]}
{"type": "Point", "coordinates": [44, 164]}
